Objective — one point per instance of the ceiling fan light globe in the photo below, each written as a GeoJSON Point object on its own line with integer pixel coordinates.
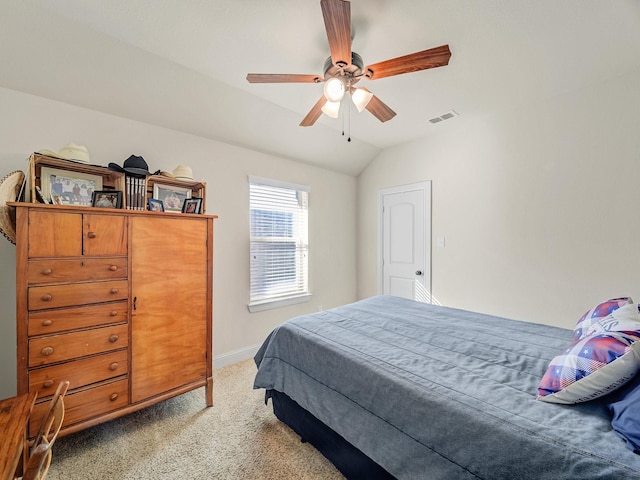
{"type": "Point", "coordinates": [361, 98]}
{"type": "Point", "coordinates": [334, 89]}
{"type": "Point", "coordinates": [331, 109]}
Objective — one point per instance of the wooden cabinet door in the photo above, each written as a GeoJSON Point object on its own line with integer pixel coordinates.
{"type": "Point", "coordinates": [55, 234]}
{"type": "Point", "coordinates": [105, 234]}
{"type": "Point", "coordinates": [169, 304]}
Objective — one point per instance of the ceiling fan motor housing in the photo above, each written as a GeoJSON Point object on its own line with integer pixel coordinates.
{"type": "Point", "coordinates": [351, 73]}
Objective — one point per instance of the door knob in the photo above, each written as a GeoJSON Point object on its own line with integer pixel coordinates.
{"type": "Point", "coordinates": [418, 272]}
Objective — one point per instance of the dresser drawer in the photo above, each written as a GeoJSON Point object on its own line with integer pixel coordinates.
{"type": "Point", "coordinates": [45, 322]}
{"type": "Point", "coordinates": [76, 270]}
{"type": "Point", "coordinates": [85, 404]}
{"type": "Point", "coordinates": [66, 346]}
{"type": "Point", "coordinates": [54, 296]}
{"type": "Point", "coordinates": [79, 372]}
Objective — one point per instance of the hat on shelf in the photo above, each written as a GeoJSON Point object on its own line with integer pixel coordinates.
{"type": "Point", "coordinates": [10, 191]}
{"type": "Point", "coordinates": [73, 152]}
{"type": "Point", "coordinates": [164, 173]}
{"type": "Point", "coordinates": [134, 165]}
{"type": "Point", "coordinates": [182, 172]}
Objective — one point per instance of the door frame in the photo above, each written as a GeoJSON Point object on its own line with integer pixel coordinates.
{"type": "Point", "coordinates": [426, 188]}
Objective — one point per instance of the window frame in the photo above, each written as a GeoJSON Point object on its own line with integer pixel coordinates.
{"type": "Point", "coordinates": [276, 300]}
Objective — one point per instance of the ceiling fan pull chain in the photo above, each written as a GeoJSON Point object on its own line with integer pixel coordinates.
{"type": "Point", "coordinates": [348, 112]}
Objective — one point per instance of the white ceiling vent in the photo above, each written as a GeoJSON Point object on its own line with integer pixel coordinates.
{"type": "Point", "coordinates": [444, 116]}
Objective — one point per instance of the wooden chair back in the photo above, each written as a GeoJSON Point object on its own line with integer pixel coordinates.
{"type": "Point", "coordinates": [40, 457]}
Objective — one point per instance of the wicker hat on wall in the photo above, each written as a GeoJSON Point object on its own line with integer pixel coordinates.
{"type": "Point", "coordinates": [10, 191]}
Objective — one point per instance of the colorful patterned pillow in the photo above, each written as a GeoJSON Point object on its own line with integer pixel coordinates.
{"type": "Point", "coordinates": [596, 364]}
{"type": "Point", "coordinates": [596, 313]}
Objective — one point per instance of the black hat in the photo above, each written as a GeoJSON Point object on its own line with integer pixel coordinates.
{"type": "Point", "coordinates": [135, 165]}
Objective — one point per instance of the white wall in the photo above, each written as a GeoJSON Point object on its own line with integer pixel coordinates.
{"type": "Point", "coordinates": [539, 206]}
{"type": "Point", "coordinates": [29, 123]}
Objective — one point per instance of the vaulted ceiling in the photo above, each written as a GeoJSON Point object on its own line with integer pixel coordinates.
{"type": "Point", "coordinates": [182, 64]}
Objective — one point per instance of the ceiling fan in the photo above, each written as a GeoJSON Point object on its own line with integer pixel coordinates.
{"type": "Point", "coordinates": [344, 68]}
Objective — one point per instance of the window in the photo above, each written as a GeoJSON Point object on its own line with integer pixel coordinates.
{"type": "Point", "coordinates": [279, 244]}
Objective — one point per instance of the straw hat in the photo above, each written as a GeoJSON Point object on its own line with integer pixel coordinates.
{"type": "Point", "coordinates": [73, 152]}
{"type": "Point", "coordinates": [182, 172]}
{"type": "Point", "coordinates": [10, 191]}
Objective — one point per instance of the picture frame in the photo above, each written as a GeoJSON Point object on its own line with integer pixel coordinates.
{"type": "Point", "coordinates": [39, 196]}
{"type": "Point", "coordinates": [107, 199]}
{"type": "Point", "coordinates": [172, 197]}
{"type": "Point", "coordinates": [155, 205]}
{"type": "Point", "coordinates": [70, 188]}
{"type": "Point", "coordinates": [192, 205]}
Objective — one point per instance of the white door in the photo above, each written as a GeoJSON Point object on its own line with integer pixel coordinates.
{"type": "Point", "coordinates": [406, 241]}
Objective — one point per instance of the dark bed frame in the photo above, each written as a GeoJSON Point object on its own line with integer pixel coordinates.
{"type": "Point", "coordinates": [351, 462]}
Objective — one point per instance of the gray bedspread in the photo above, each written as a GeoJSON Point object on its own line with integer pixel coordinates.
{"type": "Point", "coordinates": [431, 392]}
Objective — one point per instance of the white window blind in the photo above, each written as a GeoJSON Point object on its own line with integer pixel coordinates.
{"type": "Point", "coordinates": [279, 243]}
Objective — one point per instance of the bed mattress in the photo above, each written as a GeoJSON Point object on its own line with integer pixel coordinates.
{"type": "Point", "coordinates": [439, 393]}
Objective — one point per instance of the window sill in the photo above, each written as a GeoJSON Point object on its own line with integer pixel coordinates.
{"type": "Point", "coordinates": [278, 302]}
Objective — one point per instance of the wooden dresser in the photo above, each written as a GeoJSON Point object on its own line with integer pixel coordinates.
{"type": "Point", "coordinates": [118, 302]}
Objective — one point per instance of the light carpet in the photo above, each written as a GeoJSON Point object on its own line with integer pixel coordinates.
{"type": "Point", "coordinates": [238, 438]}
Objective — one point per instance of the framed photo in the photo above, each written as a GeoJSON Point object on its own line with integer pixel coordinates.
{"type": "Point", "coordinates": [70, 188]}
{"type": "Point", "coordinates": [172, 197]}
{"type": "Point", "coordinates": [107, 199]}
{"type": "Point", "coordinates": [192, 205]}
{"type": "Point", "coordinates": [39, 196]}
{"type": "Point", "coordinates": [156, 205]}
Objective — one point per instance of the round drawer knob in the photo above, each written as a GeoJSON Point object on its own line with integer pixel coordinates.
{"type": "Point", "coordinates": [46, 351]}
{"type": "Point", "coordinates": [113, 397]}
{"type": "Point", "coordinates": [91, 235]}
{"type": "Point", "coordinates": [47, 298]}
{"type": "Point", "coordinates": [113, 313]}
{"type": "Point", "coordinates": [46, 323]}
{"type": "Point", "coordinates": [48, 384]}
{"type": "Point", "coordinates": [113, 338]}
{"type": "Point", "coordinates": [113, 367]}
{"type": "Point", "coordinates": [113, 268]}
{"type": "Point", "coordinates": [46, 271]}
{"type": "Point", "coordinates": [114, 290]}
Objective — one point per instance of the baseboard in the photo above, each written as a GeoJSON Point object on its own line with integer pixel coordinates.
{"type": "Point", "coordinates": [235, 356]}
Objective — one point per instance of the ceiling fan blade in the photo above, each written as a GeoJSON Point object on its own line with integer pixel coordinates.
{"type": "Point", "coordinates": [337, 22]}
{"type": "Point", "coordinates": [282, 78]}
{"type": "Point", "coordinates": [379, 109]}
{"type": "Point", "coordinates": [314, 113]}
{"type": "Point", "coordinates": [414, 62]}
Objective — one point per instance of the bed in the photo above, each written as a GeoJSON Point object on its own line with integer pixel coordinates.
{"type": "Point", "coordinates": [391, 388]}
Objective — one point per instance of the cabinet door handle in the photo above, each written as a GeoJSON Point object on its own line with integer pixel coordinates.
{"type": "Point", "coordinates": [46, 351]}
{"type": "Point", "coordinates": [113, 268]}
{"type": "Point", "coordinates": [91, 235]}
{"type": "Point", "coordinates": [113, 338]}
{"type": "Point", "coordinates": [47, 322]}
{"type": "Point", "coordinates": [48, 384]}
{"type": "Point", "coordinates": [113, 397]}
{"type": "Point", "coordinates": [46, 271]}
{"type": "Point", "coordinates": [114, 290]}
{"type": "Point", "coordinates": [47, 298]}
{"type": "Point", "coordinates": [113, 367]}
{"type": "Point", "coordinates": [113, 313]}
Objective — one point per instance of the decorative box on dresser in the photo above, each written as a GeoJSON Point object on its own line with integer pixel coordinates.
{"type": "Point", "coordinates": [118, 302]}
